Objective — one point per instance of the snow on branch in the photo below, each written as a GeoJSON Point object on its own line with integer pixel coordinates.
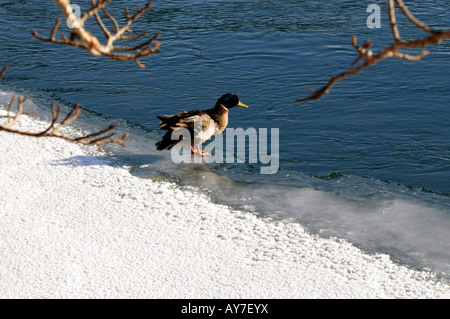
{"type": "Point", "coordinates": [83, 38]}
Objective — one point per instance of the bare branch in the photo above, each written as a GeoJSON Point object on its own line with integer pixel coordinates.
{"type": "Point", "coordinates": [95, 7]}
{"type": "Point", "coordinates": [83, 38]}
{"type": "Point", "coordinates": [5, 67]}
{"type": "Point", "coordinates": [393, 21]}
{"type": "Point", "coordinates": [102, 26]}
{"type": "Point", "coordinates": [409, 57]}
{"type": "Point", "coordinates": [13, 121]}
{"type": "Point", "coordinates": [369, 58]}
{"type": "Point", "coordinates": [8, 115]}
{"type": "Point", "coordinates": [10, 106]}
{"type": "Point", "coordinates": [133, 37]}
{"type": "Point", "coordinates": [413, 19]}
{"type": "Point", "coordinates": [53, 129]}
{"type": "Point", "coordinates": [113, 20]}
{"type": "Point", "coordinates": [55, 29]}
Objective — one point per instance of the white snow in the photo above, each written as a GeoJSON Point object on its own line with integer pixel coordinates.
{"type": "Point", "coordinates": [73, 226]}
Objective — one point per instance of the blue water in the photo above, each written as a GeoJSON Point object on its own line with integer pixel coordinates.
{"type": "Point", "coordinates": [369, 162]}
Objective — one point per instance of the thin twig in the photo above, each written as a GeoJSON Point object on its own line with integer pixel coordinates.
{"type": "Point", "coordinates": [55, 29]}
{"type": "Point", "coordinates": [393, 21]}
{"type": "Point", "coordinates": [95, 7]}
{"type": "Point", "coordinates": [413, 19]}
{"type": "Point", "coordinates": [113, 20]}
{"type": "Point", "coordinates": [2, 73]}
{"type": "Point", "coordinates": [102, 26]}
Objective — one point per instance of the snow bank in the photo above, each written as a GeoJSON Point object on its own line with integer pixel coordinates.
{"type": "Point", "coordinates": [73, 226]}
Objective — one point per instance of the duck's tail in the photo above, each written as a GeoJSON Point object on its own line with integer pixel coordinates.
{"type": "Point", "coordinates": [167, 142]}
{"type": "Point", "coordinates": [165, 122]}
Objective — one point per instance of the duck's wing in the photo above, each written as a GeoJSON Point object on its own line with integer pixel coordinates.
{"type": "Point", "coordinates": [199, 124]}
{"type": "Point", "coordinates": [198, 120]}
{"type": "Point", "coordinates": [171, 122]}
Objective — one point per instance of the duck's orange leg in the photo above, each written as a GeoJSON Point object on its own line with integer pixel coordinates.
{"type": "Point", "coordinates": [199, 151]}
{"type": "Point", "coordinates": [202, 152]}
{"type": "Point", "coordinates": [193, 151]}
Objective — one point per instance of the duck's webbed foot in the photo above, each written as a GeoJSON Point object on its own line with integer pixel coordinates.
{"type": "Point", "coordinates": [199, 151]}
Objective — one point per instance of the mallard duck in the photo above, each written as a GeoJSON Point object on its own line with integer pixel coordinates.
{"type": "Point", "coordinates": [201, 124]}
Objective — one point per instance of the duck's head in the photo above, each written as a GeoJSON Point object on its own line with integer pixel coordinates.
{"type": "Point", "coordinates": [229, 101]}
